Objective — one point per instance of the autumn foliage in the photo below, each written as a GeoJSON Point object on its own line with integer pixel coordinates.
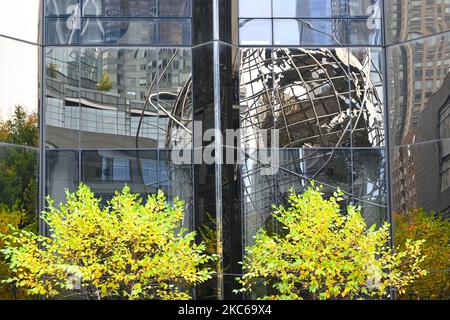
{"type": "Point", "coordinates": [126, 249]}
{"type": "Point", "coordinates": [325, 253]}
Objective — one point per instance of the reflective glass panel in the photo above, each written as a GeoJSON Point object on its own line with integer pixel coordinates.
{"type": "Point", "coordinates": [62, 98]}
{"type": "Point", "coordinates": [309, 8]}
{"type": "Point", "coordinates": [310, 32]}
{"type": "Point", "coordinates": [118, 32]}
{"type": "Point", "coordinates": [118, 97]}
{"type": "Point", "coordinates": [255, 8]}
{"type": "Point", "coordinates": [255, 32]}
{"type": "Point", "coordinates": [419, 78]}
{"type": "Point", "coordinates": [175, 32]}
{"type": "Point", "coordinates": [407, 20]}
{"type": "Point", "coordinates": [366, 67]}
{"type": "Point", "coordinates": [172, 8]}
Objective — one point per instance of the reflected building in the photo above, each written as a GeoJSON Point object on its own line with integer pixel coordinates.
{"type": "Point", "coordinates": [357, 89]}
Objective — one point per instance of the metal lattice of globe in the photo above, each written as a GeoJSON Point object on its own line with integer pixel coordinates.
{"type": "Point", "coordinates": [316, 98]}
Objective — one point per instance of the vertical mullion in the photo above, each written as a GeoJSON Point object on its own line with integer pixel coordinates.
{"type": "Point", "coordinates": [218, 144]}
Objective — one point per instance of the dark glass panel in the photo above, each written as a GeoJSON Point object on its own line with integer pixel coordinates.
{"type": "Point", "coordinates": [202, 21]}
{"type": "Point", "coordinates": [228, 15]}
{"type": "Point", "coordinates": [205, 195]}
{"type": "Point", "coordinates": [172, 8]}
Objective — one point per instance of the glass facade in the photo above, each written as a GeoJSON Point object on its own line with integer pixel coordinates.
{"type": "Point", "coordinates": [418, 34]}
{"type": "Point", "coordinates": [357, 91]}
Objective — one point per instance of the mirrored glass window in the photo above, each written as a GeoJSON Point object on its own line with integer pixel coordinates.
{"type": "Point", "coordinates": [118, 32]}
{"type": "Point", "coordinates": [175, 32]}
{"type": "Point", "coordinates": [62, 98]}
{"type": "Point", "coordinates": [365, 32]}
{"type": "Point", "coordinates": [255, 8]}
{"type": "Point", "coordinates": [129, 8]}
{"type": "Point", "coordinates": [172, 8]}
{"type": "Point", "coordinates": [62, 172]}
{"type": "Point", "coordinates": [310, 32]}
{"type": "Point", "coordinates": [309, 8]}
{"type": "Point", "coordinates": [366, 67]}
{"type": "Point", "coordinates": [255, 32]}
{"type": "Point", "coordinates": [303, 93]}
{"type": "Point", "coordinates": [407, 20]}
{"type": "Point", "coordinates": [419, 78]}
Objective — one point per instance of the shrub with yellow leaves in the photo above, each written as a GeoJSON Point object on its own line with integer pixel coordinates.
{"type": "Point", "coordinates": [325, 253]}
{"type": "Point", "coordinates": [125, 249]}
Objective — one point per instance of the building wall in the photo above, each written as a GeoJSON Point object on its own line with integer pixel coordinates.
{"type": "Point", "coordinates": [357, 89]}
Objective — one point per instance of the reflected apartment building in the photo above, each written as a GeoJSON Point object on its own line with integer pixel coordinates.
{"type": "Point", "coordinates": [357, 89]}
{"type": "Point", "coordinates": [418, 107]}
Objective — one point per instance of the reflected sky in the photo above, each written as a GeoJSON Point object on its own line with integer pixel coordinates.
{"type": "Point", "coordinates": [18, 77]}
{"type": "Point", "coordinates": [18, 60]}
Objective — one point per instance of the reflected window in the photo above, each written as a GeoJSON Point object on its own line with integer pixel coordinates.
{"type": "Point", "coordinates": [445, 173]}
{"type": "Point", "coordinates": [444, 121]}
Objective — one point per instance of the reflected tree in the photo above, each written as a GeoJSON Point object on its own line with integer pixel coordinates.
{"type": "Point", "coordinates": [324, 253]}
{"type": "Point", "coordinates": [435, 229]}
{"type": "Point", "coordinates": [122, 250]}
